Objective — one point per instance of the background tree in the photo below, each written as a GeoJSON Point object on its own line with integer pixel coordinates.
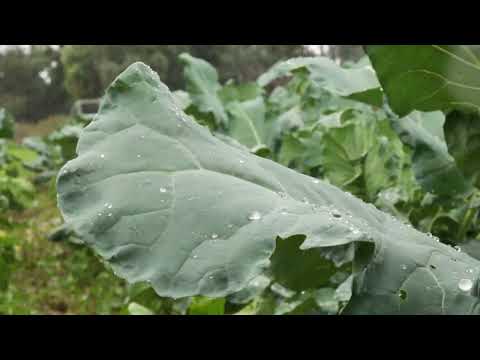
{"type": "Point", "coordinates": [31, 83]}
{"type": "Point", "coordinates": [90, 68]}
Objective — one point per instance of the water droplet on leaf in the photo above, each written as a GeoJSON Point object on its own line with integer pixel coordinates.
{"type": "Point", "coordinates": [163, 190]}
{"type": "Point", "coordinates": [465, 284]}
{"type": "Point", "coordinates": [254, 216]}
{"type": "Point", "coordinates": [336, 214]}
{"type": "Point", "coordinates": [282, 195]}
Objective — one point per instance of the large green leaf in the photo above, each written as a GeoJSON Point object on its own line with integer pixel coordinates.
{"type": "Point", "coordinates": [357, 83]}
{"type": "Point", "coordinates": [427, 77]}
{"type": "Point", "coordinates": [202, 84]}
{"type": "Point", "coordinates": [164, 201]}
{"type": "Point", "coordinates": [7, 124]}
{"type": "Point", "coordinates": [434, 168]}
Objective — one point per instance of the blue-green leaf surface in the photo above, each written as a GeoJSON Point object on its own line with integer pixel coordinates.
{"type": "Point", "coordinates": [164, 201]}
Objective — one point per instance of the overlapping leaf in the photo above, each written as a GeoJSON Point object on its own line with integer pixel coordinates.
{"type": "Point", "coordinates": [462, 135]}
{"type": "Point", "coordinates": [358, 83]}
{"type": "Point", "coordinates": [202, 84]}
{"type": "Point", "coordinates": [428, 77]}
{"type": "Point", "coordinates": [434, 168]}
{"type": "Point", "coordinates": [247, 124]}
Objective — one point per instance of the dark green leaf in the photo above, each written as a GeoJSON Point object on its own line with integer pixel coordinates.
{"type": "Point", "coordinates": [427, 77]}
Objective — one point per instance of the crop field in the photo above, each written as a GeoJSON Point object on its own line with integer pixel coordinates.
{"type": "Point", "coordinates": [317, 188]}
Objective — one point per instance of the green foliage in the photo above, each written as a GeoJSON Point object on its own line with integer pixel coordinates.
{"type": "Point", "coordinates": [215, 238]}
{"type": "Point", "coordinates": [202, 85]}
{"type": "Point", "coordinates": [7, 124]}
{"type": "Point", "coordinates": [359, 83]}
{"type": "Point", "coordinates": [241, 197]}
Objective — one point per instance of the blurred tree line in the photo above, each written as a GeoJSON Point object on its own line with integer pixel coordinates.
{"type": "Point", "coordinates": [45, 81]}
{"type": "Point", "coordinates": [32, 83]}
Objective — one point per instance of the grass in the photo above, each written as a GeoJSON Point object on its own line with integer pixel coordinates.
{"type": "Point", "coordinates": [49, 277]}
{"type": "Point", "coordinates": [56, 278]}
{"type": "Point", "coordinates": [41, 128]}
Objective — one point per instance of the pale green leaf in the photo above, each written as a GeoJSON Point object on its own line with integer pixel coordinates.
{"type": "Point", "coordinates": [164, 201]}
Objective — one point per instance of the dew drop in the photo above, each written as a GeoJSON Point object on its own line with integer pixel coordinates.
{"type": "Point", "coordinates": [230, 226]}
{"type": "Point", "coordinates": [195, 257]}
{"type": "Point", "coordinates": [102, 156]}
{"type": "Point", "coordinates": [336, 214]}
{"type": "Point", "coordinates": [214, 236]}
{"type": "Point", "coordinates": [109, 206]}
{"type": "Point", "coordinates": [316, 181]}
{"type": "Point", "coordinates": [142, 137]}
{"type": "Point", "coordinates": [254, 216]}
{"type": "Point", "coordinates": [139, 156]}
{"type": "Point", "coordinates": [465, 284]}
{"type": "Point", "coordinates": [242, 161]}
{"type": "Point", "coordinates": [470, 271]}
{"type": "Point", "coordinates": [163, 190]}
{"type": "Point", "coordinates": [109, 214]}
{"type": "Point", "coordinates": [210, 277]}
{"type": "Point", "coordinates": [403, 267]}
{"type": "Point", "coordinates": [282, 194]}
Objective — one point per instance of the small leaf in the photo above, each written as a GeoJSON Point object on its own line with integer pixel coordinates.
{"type": "Point", "coordinates": [137, 309]}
